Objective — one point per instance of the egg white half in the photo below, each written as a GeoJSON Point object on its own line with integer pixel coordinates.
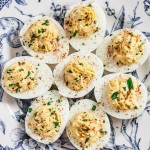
{"type": "Point", "coordinates": [101, 91]}
{"type": "Point", "coordinates": [110, 64]}
{"type": "Point", "coordinates": [49, 57]}
{"type": "Point", "coordinates": [59, 74]}
{"type": "Point", "coordinates": [62, 107]}
{"type": "Point", "coordinates": [86, 105]}
{"type": "Point", "coordinates": [94, 40]}
{"type": "Point", "coordinates": [44, 78]}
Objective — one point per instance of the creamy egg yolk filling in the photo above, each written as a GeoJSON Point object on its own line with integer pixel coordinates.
{"type": "Point", "coordinates": [42, 36]}
{"type": "Point", "coordinates": [123, 93]}
{"type": "Point", "coordinates": [86, 128]}
{"type": "Point", "coordinates": [78, 74]}
{"type": "Point", "coordinates": [126, 48]}
{"type": "Point", "coordinates": [20, 77]}
{"type": "Point", "coordinates": [81, 22]}
{"type": "Point", "coordinates": [45, 121]}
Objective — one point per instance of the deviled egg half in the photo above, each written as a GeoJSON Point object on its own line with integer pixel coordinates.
{"type": "Point", "coordinates": [77, 74]}
{"type": "Point", "coordinates": [26, 77]}
{"type": "Point", "coordinates": [88, 127]}
{"type": "Point", "coordinates": [85, 25]}
{"type": "Point", "coordinates": [124, 50]}
{"type": "Point", "coordinates": [45, 39]}
{"type": "Point", "coordinates": [47, 117]}
{"type": "Point", "coordinates": [121, 95]}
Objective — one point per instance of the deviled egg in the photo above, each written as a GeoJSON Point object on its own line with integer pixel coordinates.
{"type": "Point", "coordinates": [26, 77]}
{"type": "Point", "coordinates": [88, 127]}
{"type": "Point", "coordinates": [77, 74]}
{"type": "Point", "coordinates": [85, 25]}
{"type": "Point", "coordinates": [47, 117]}
{"type": "Point", "coordinates": [124, 50]}
{"type": "Point", "coordinates": [44, 38]}
{"type": "Point", "coordinates": [121, 95]}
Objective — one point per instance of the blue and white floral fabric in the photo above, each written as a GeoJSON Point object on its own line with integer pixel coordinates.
{"type": "Point", "coordinates": [131, 134]}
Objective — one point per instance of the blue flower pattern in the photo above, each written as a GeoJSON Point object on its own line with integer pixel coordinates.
{"type": "Point", "coordinates": [20, 139]}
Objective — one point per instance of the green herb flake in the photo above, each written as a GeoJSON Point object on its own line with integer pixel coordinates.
{"type": "Point", "coordinates": [29, 109]}
{"type": "Point", "coordinates": [70, 71]}
{"type": "Point", "coordinates": [136, 107]}
{"type": "Point", "coordinates": [75, 33]}
{"type": "Point", "coordinates": [46, 23]}
{"type": "Point", "coordinates": [95, 21]}
{"type": "Point", "coordinates": [39, 31]}
{"type": "Point", "coordinates": [43, 47]}
{"type": "Point", "coordinates": [21, 70]}
{"type": "Point", "coordinates": [49, 103]}
{"type": "Point", "coordinates": [57, 39]}
{"type": "Point", "coordinates": [56, 124]}
{"type": "Point", "coordinates": [86, 140]}
{"type": "Point", "coordinates": [76, 79]}
{"type": "Point", "coordinates": [114, 95]}
{"type": "Point", "coordinates": [28, 73]}
{"type": "Point", "coordinates": [110, 35]}
{"type": "Point", "coordinates": [90, 5]}
{"type": "Point", "coordinates": [130, 83]}
{"type": "Point", "coordinates": [93, 107]}
{"type": "Point", "coordinates": [35, 114]}
{"type": "Point", "coordinates": [59, 100]}
{"type": "Point", "coordinates": [124, 88]}
{"type": "Point", "coordinates": [10, 85]}
{"type": "Point", "coordinates": [81, 64]}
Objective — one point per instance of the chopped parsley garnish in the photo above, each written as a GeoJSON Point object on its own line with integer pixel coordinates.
{"type": "Point", "coordinates": [70, 71]}
{"type": "Point", "coordinates": [136, 107]}
{"type": "Point", "coordinates": [49, 103]}
{"type": "Point", "coordinates": [76, 79]}
{"type": "Point", "coordinates": [93, 107]}
{"type": "Point", "coordinates": [29, 109]}
{"type": "Point", "coordinates": [56, 124]}
{"type": "Point", "coordinates": [30, 45]}
{"type": "Point", "coordinates": [67, 83]}
{"type": "Point", "coordinates": [39, 31]}
{"type": "Point", "coordinates": [86, 140]}
{"type": "Point", "coordinates": [83, 44]}
{"type": "Point", "coordinates": [81, 64]}
{"type": "Point", "coordinates": [21, 70]}
{"type": "Point", "coordinates": [57, 39]}
{"type": "Point", "coordinates": [59, 100]}
{"type": "Point", "coordinates": [95, 21]}
{"type": "Point", "coordinates": [43, 47]}
{"type": "Point", "coordinates": [124, 88]}
{"type": "Point", "coordinates": [114, 95]}
{"type": "Point", "coordinates": [46, 23]}
{"type": "Point", "coordinates": [84, 120]}
{"type": "Point", "coordinates": [35, 114]}
{"type": "Point", "coordinates": [11, 85]}
{"type": "Point", "coordinates": [75, 33]}
{"type": "Point", "coordinates": [86, 24]}
{"type": "Point", "coordinates": [130, 83]}
{"type": "Point", "coordinates": [110, 35]}
{"type": "Point", "coordinates": [28, 73]}
{"type": "Point", "coordinates": [90, 5]}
